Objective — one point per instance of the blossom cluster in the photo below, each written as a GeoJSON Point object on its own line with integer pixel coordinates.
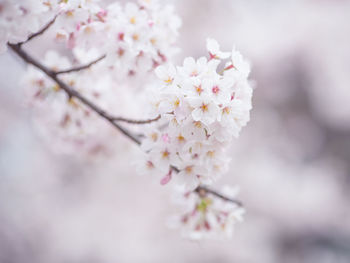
{"type": "Point", "coordinates": [201, 111]}
{"type": "Point", "coordinates": [207, 216]}
{"type": "Point", "coordinates": [135, 38]}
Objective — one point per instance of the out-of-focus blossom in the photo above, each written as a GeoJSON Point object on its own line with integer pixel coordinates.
{"type": "Point", "coordinates": [207, 216]}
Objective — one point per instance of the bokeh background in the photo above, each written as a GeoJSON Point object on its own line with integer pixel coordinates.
{"type": "Point", "coordinates": [292, 161]}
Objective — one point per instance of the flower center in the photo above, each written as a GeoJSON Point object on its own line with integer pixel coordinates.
{"type": "Point", "coordinates": [198, 89]}
{"type": "Point", "coordinates": [189, 169]}
{"type": "Point", "coordinates": [135, 37]}
{"type": "Point", "coordinates": [194, 73]}
{"type": "Point", "coordinates": [176, 103]}
{"type": "Point", "coordinates": [180, 138]}
{"type": "Point", "coordinates": [120, 52]}
{"type": "Point", "coordinates": [121, 36]}
{"type": "Point", "coordinates": [226, 110]}
{"type": "Point", "coordinates": [133, 20]}
{"type": "Point", "coordinates": [211, 154]}
{"type": "Point", "coordinates": [168, 80]}
{"type": "Point", "coordinates": [204, 107]}
{"type": "Point", "coordinates": [70, 13]}
{"type": "Point", "coordinates": [154, 136]}
{"type": "Point", "coordinates": [215, 89]}
{"type": "Point", "coordinates": [165, 154]}
{"type": "Point", "coordinates": [197, 124]}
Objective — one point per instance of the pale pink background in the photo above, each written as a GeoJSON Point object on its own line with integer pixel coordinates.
{"type": "Point", "coordinates": [291, 161]}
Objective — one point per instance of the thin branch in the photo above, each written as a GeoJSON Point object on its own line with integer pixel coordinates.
{"type": "Point", "coordinates": [112, 120]}
{"type": "Point", "coordinates": [137, 121]}
{"type": "Point", "coordinates": [203, 190]}
{"type": "Point", "coordinates": [72, 92]}
{"type": "Point", "coordinates": [75, 69]}
{"type": "Point", "coordinates": [41, 31]}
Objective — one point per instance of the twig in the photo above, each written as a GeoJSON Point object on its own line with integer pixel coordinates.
{"type": "Point", "coordinates": [137, 121]}
{"type": "Point", "coordinates": [202, 190]}
{"type": "Point", "coordinates": [71, 92]}
{"type": "Point", "coordinates": [112, 120]}
{"type": "Point", "coordinates": [41, 31]}
{"type": "Point", "coordinates": [80, 67]}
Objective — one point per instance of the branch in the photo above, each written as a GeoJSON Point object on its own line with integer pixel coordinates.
{"type": "Point", "coordinates": [72, 92]}
{"type": "Point", "coordinates": [202, 191]}
{"type": "Point", "coordinates": [48, 25]}
{"type": "Point", "coordinates": [80, 67]}
{"type": "Point", "coordinates": [137, 121]}
{"type": "Point", "coordinates": [112, 120]}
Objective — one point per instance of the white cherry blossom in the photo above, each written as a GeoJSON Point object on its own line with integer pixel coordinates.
{"type": "Point", "coordinates": [201, 110]}
{"type": "Point", "coordinates": [207, 216]}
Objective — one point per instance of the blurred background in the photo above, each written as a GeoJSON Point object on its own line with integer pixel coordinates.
{"type": "Point", "coordinates": [292, 161]}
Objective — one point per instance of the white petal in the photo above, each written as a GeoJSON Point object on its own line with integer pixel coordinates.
{"type": "Point", "coordinates": [212, 46]}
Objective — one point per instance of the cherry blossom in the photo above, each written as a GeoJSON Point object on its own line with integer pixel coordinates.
{"type": "Point", "coordinates": [207, 216]}
{"type": "Point", "coordinates": [201, 111]}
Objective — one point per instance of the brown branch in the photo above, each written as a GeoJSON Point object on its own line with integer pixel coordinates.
{"type": "Point", "coordinates": [72, 92]}
{"type": "Point", "coordinates": [137, 121]}
{"type": "Point", "coordinates": [112, 120]}
{"type": "Point", "coordinates": [75, 69]}
{"type": "Point", "coordinates": [203, 190]}
{"type": "Point", "coordinates": [41, 31]}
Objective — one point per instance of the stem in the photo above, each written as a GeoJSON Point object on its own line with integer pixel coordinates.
{"type": "Point", "coordinates": [204, 190]}
{"type": "Point", "coordinates": [75, 69]}
{"type": "Point", "coordinates": [137, 121]}
{"type": "Point", "coordinates": [48, 25]}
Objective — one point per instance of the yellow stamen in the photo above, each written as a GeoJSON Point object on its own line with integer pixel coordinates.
{"type": "Point", "coordinates": [194, 73]}
{"type": "Point", "coordinates": [210, 154]}
{"type": "Point", "coordinates": [204, 107]}
{"type": "Point", "coordinates": [203, 205]}
{"type": "Point", "coordinates": [56, 88]}
{"type": "Point", "coordinates": [226, 110]}
{"type": "Point", "coordinates": [189, 169]}
{"type": "Point", "coordinates": [154, 136]}
{"type": "Point", "coordinates": [60, 36]}
{"type": "Point", "coordinates": [70, 13]}
{"type": "Point", "coordinates": [165, 154]}
{"type": "Point", "coordinates": [133, 20]}
{"type": "Point", "coordinates": [153, 41]}
{"type": "Point", "coordinates": [121, 52]}
{"type": "Point", "coordinates": [72, 102]}
{"type": "Point", "coordinates": [176, 103]}
{"type": "Point", "coordinates": [199, 89]}
{"type": "Point", "coordinates": [135, 37]}
{"type": "Point", "coordinates": [181, 138]}
{"type": "Point", "coordinates": [88, 30]}
{"type": "Point", "coordinates": [168, 80]}
{"type": "Point", "coordinates": [174, 121]}
{"type": "Point", "coordinates": [197, 124]}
